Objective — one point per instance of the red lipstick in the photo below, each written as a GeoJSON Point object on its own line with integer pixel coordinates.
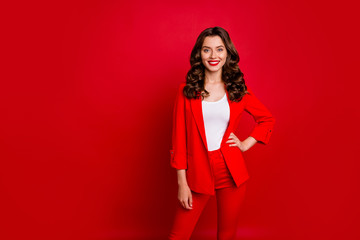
{"type": "Point", "coordinates": [214, 63]}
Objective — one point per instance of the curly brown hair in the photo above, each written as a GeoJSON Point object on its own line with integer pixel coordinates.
{"type": "Point", "coordinates": [231, 73]}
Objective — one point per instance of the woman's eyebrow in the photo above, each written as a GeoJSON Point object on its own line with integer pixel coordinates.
{"type": "Point", "coordinates": [210, 47]}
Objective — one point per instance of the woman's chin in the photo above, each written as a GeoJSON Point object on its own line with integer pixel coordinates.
{"type": "Point", "coordinates": [213, 69]}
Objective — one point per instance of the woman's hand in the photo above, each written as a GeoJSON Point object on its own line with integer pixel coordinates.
{"type": "Point", "coordinates": [185, 197]}
{"type": "Point", "coordinates": [242, 145]}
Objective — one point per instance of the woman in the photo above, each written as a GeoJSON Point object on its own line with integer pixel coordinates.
{"type": "Point", "coordinates": [205, 151]}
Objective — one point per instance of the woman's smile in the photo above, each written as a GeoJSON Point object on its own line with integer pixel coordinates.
{"type": "Point", "coordinates": [214, 63]}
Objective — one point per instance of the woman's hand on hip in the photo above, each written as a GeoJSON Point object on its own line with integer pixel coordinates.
{"type": "Point", "coordinates": [185, 196]}
{"type": "Point", "coordinates": [242, 145]}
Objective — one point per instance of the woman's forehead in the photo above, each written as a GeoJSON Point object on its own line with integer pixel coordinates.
{"type": "Point", "coordinates": [213, 41]}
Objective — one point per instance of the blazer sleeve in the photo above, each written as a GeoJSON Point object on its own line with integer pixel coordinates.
{"type": "Point", "coordinates": [178, 150]}
{"type": "Point", "coordinates": [262, 116]}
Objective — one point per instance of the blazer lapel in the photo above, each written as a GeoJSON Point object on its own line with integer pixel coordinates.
{"type": "Point", "coordinates": [196, 108]}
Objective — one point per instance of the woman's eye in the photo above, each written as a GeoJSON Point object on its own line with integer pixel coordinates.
{"type": "Point", "coordinates": [220, 49]}
{"type": "Point", "coordinates": [206, 50]}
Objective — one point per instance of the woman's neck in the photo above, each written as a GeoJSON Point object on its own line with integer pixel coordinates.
{"type": "Point", "coordinates": [213, 77]}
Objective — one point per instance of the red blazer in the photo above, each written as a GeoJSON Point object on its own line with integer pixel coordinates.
{"type": "Point", "coordinates": [189, 146]}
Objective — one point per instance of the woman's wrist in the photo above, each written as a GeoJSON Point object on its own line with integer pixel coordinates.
{"type": "Point", "coordinates": [182, 184]}
{"type": "Point", "coordinates": [249, 142]}
{"type": "Point", "coordinates": [181, 176]}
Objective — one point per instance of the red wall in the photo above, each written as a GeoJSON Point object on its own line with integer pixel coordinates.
{"type": "Point", "coordinates": [86, 99]}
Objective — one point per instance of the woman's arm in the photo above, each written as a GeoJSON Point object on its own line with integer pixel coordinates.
{"type": "Point", "coordinates": [178, 151]}
{"type": "Point", "coordinates": [248, 143]}
{"type": "Point", "coordinates": [265, 121]}
{"type": "Point", "coordinates": [181, 176]}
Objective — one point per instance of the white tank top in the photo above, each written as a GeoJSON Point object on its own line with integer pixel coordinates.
{"type": "Point", "coordinates": [216, 118]}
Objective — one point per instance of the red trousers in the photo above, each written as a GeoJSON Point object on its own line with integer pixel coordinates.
{"type": "Point", "coordinates": [229, 201]}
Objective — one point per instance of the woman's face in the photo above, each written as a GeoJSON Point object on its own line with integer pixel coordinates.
{"type": "Point", "coordinates": [213, 53]}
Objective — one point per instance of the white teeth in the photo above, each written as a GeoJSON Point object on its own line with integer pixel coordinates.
{"type": "Point", "coordinates": [214, 62]}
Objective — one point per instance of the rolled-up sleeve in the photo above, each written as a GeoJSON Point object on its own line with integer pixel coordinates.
{"type": "Point", "coordinates": [264, 120]}
{"type": "Point", "coordinates": [178, 151]}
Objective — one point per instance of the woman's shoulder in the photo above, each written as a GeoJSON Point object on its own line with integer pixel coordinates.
{"type": "Point", "coordinates": [249, 90]}
{"type": "Point", "coordinates": [180, 90]}
{"type": "Point", "coordinates": [181, 87]}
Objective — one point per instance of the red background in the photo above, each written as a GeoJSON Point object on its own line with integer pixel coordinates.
{"type": "Point", "coordinates": [87, 91]}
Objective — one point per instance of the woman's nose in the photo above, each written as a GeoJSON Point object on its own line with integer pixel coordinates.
{"type": "Point", "coordinates": [213, 54]}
